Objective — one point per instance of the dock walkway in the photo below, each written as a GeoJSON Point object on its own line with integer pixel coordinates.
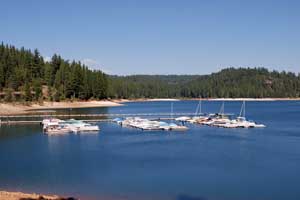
{"type": "Point", "coordinates": [104, 117]}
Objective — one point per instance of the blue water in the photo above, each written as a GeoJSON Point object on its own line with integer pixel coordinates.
{"type": "Point", "coordinates": [204, 163]}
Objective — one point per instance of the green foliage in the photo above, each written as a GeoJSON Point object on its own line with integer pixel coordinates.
{"type": "Point", "coordinates": [27, 92]}
{"type": "Point", "coordinates": [9, 95]}
{"type": "Point", "coordinates": [228, 83]}
{"type": "Point", "coordinates": [50, 94]}
{"type": "Point", "coordinates": [37, 88]}
{"type": "Point", "coordinates": [24, 70]}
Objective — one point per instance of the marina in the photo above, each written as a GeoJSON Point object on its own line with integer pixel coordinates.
{"type": "Point", "coordinates": [149, 100]}
{"type": "Point", "coordinates": [221, 119]}
{"type": "Point", "coordinates": [143, 121]}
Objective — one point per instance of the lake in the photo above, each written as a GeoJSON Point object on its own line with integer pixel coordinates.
{"type": "Point", "coordinates": [203, 163]}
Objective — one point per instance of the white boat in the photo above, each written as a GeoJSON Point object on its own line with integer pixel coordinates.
{"type": "Point", "coordinates": [183, 118]}
{"type": "Point", "coordinates": [56, 128]}
{"type": "Point", "coordinates": [80, 126]}
{"type": "Point", "coordinates": [164, 126]}
{"type": "Point", "coordinates": [48, 121]}
{"type": "Point", "coordinates": [118, 120]}
{"type": "Point", "coordinates": [241, 122]}
{"type": "Point", "coordinates": [202, 119]}
{"type": "Point", "coordinates": [145, 124]}
{"type": "Point", "coordinates": [197, 115]}
{"type": "Point", "coordinates": [131, 121]}
{"type": "Point", "coordinates": [84, 128]}
{"type": "Point", "coordinates": [216, 119]}
{"type": "Point", "coordinates": [175, 127]}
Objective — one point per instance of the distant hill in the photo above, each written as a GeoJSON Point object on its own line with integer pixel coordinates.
{"type": "Point", "coordinates": [228, 83]}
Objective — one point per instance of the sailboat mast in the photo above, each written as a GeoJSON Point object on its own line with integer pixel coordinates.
{"type": "Point", "coordinates": [222, 110]}
{"type": "Point", "coordinates": [200, 104]}
{"type": "Point", "coordinates": [196, 112]}
{"type": "Point", "coordinates": [243, 110]}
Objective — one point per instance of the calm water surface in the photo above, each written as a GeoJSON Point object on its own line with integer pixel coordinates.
{"type": "Point", "coordinates": [203, 163]}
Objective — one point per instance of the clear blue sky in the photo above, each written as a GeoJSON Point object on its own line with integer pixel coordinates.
{"type": "Point", "coordinates": [158, 37]}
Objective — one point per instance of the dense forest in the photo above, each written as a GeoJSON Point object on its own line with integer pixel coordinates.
{"type": "Point", "coordinates": [26, 76]}
{"type": "Point", "coordinates": [228, 83]}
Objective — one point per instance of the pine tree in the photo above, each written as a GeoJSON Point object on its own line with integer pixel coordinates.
{"type": "Point", "coordinates": [2, 75]}
{"type": "Point", "coordinates": [37, 88]}
{"type": "Point", "coordinates": [27, 92]}
{"type": "Point", "coordinates": [48, 74]}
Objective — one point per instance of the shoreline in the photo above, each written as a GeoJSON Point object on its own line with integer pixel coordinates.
{"type": "Point", "coordinates": [204, 99]}
{"type": "Point", "coordinates": [250, 99]}
{"type": "Point", "coordinates": [17, 108]}
{"type": "Point", "coordinates": [5, 195]}
{"type": "Point", "coordinates": [20, 109]}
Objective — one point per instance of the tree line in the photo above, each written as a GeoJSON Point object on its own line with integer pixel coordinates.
{"type": "Point", "coordinates": [26, 76]}
{"type": "Point", "coordinates": [228, 83]}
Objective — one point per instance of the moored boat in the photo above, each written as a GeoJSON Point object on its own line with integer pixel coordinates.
{"type": "Point", "coordinates": [175, 127]}
{"type": "Point", "coordinates": [80, 126]}
{"type": "Point", "coordinates": [241, 121]}
{"type": "Point", "coordinates": [54, 125]}
{"type": "Point", "coordinates": [146, 124]}
{"type": "Point", "coordinates": [56, 128]}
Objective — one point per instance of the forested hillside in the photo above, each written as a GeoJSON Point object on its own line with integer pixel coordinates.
{"type": "Point", "coordinates": [228, 83]}
{"type": "Point", "coordinates": [24, 75]}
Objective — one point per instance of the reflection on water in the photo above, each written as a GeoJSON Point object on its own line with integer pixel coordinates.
{"type": "Point", "coordinates": [87, 141]}
{"type": "Point", "coordinates": [17, 131]}
{"type": "Point", "coordinates": [187, 197]}
{"type": "Point", "coordinates": [119, 163]}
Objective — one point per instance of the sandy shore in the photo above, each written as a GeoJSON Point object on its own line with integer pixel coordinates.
{"type": "Point", "coordinates": [13, 109]}
{"type": "Point", "coordinates": [19, 195]}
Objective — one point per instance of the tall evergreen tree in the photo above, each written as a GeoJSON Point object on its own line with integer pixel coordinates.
{"type": "Point", "coordinates": [27, 92]}
{"type": "Point", "coordinates": [37, 88]}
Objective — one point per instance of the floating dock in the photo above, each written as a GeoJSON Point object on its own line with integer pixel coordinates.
{"type": "Point", "coordinates": [36, 119]}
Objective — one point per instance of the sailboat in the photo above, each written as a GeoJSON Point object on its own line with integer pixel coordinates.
{"type": "Point", "coordinates": [241, 121]}
{"type": "Point", "coordinates": [197, 113]}
{"type": "Point", "coordinates": [219, 118]}
{"type": "Point", "coordinates": [198, 116]}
